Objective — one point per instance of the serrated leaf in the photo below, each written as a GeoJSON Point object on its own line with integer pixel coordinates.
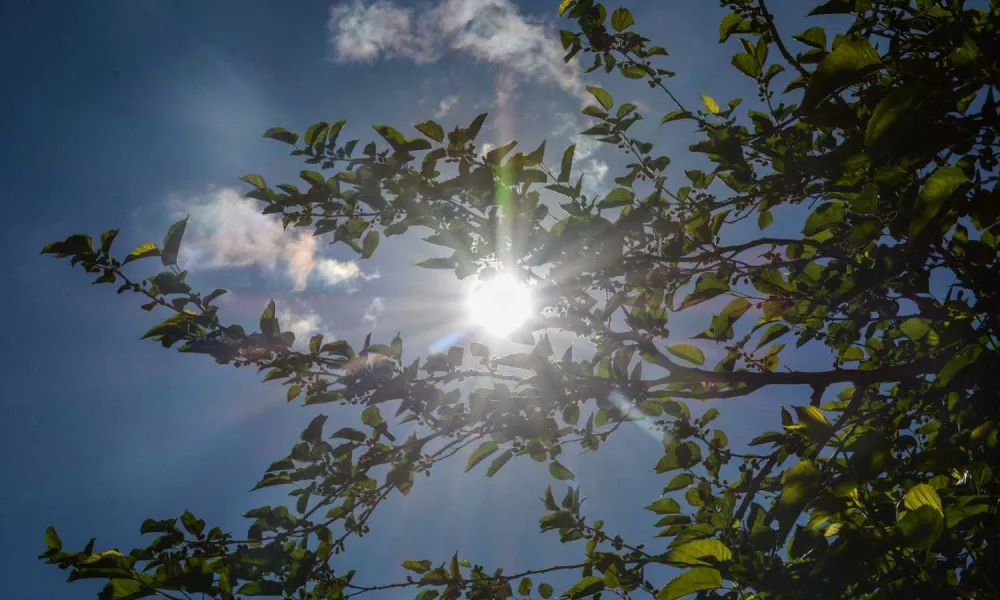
{"type": "Point", "coordinates": [888, 111]}
{"type": "Point", "coordinates": [622, 19]}
{"type": "Point", "coordinates": [588, 586]}
{"type": "Point", "coordinates": [939, 187]}
{"type": "Point", "coordinates": [849, 62]}
{"type": "Point", "coordinates": [665, 506]}
{"type": "Point", "coordinates": [923, 495]}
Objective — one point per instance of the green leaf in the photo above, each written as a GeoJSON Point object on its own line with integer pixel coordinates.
{"type": "Point", "coordinates": [484, 450]}
{"type": "Point", "coordinates": [143, 251]}
{"type": "Point", "coordinates": [696, 580]}
{"type": "Point", "coordinates": [800, 482]}
{"type": "Point", "coordinates": [921, 526]}
{"type": "Point", "coordinates": [125, 589]}
{"type": "Point", "coordinates": [417, 566]}
{"type": "Point", "coordinates": [923, 495]}
{"type": "Point", "coordinates": [431, 130]}
{"type": "Point", "coordinates": [814, 36]}
{"type": "Point", "coordinates": [665, 506]}
{"type": "Point", "coordinates": [282, 135]}
{"type": "Point", "coordinates": [545, 590]}
{"type": "Point", "coordinates": [566, 165]}
{"type": "Point", "coordinates": [916, 328]}
{"type": "Point", "coordinates": [438, 263]}
{"type": "Point", "coordinates": [939, 187]}
{"type": "Point", "coordinates": [499, 462]}
{"type": "Point", "coordinates": [848, 63]}
{"type": "Point", "coordinates": [710, 104]}
{"type": "Point", "coordinates": [172, 242]}
{"type": "Point", "coordinates": [622, 19]}
{"type": "Point", "coordinates": [52, 541]}
{"type": "Point", "coordinates": [268, 322]}
{"type": "Point", "coordinates": [557, 470]}
{"type": "Point", "coordinates": [679, 482]}
{"type": "Point", "coordinates": [262, 588]}
{"type": "Point", "coordinates": [394, 137]}
{"type": "Point", "coordinates": [255, 180]}
{"type": "Point", "coordinates": [772, 333]}
{"type": "Point", "coordinates": [825, 215]}
{"type": "Point", "coordinates": [476, 125]}
{"type": "Point", "coordinates": [602, 96]}
{"type": "Point", "coordinates": [368, 247]}
{"type": "Point", "coordinates": [888, 111]}
{"type": "Point", "coordinates": [688, 352]}
{"type": "Point", "coordinates": [524, 588]}
{"type": "Point", "coordinates": [700, 552]}
{"type": "Point", "coordinates": [617, 197]}
{"type": "Point", "coordinates": [588, 586]}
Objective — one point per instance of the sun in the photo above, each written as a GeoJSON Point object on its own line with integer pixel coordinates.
{"type": "Point", "coordinates": [500, 305]}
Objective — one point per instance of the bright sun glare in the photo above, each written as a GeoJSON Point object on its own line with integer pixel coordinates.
{"type": "Point", "coordinates": [500, 305]}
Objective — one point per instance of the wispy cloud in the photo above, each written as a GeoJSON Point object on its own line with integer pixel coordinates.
{"type": "Point", "coordinates": [228, 230]}
{"type": "Point", "coordinates": [374, 310]}
{"type": "Point", "coordinates": [493, 31]}
{"type": "Point", "coordinates": [445, 106]}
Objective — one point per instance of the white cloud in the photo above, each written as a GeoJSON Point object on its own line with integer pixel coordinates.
{"type": "Point", "coordinates": [303, 324]}
{"type": "Point", "coordinates": [493, 31]}
{"type": "Point", "coordinates": [374, 310]}
{"type": "Point", "coordinates": [228, 230]}
{"type": "Point", "coordinates": [445, 106]}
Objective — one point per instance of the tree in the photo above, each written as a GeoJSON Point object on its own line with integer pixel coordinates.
{"type": "Point", "coordinates": [878, 484]}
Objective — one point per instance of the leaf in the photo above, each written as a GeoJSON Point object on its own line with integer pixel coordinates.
{"type": "Point", "coordinates": [602, 96]}
{"type": "Point", "coordinates": [923, 495]}
{"type": "Point", "coordinates": [916, 328]}
{"type": "Point", "coordinates": [499, 462]}
{"type": "Point", "coordinates": [921, 526]}
{"type": "Point", "coordinates": [431, 130]}
{"type": "Point", "coordinates": [557, 470]}
{"type": "Point", "coordinates": [563, 7]}
{"type": "Point", "coordinates": [370, 244]}
{"type": "Point", "coordinates": [484, 450]}
{"type": "Point", "coordinates": [125, 589]}
{"type": "Point", "coordinates": [688, 352]}
{"type": "Point", "coordinates": [622, 19]}
{"type": "Point", "coordinates": [800, 482]}
{"type": "Point", "coordinates": [772, 333]}
{"type": "Point", "coordinates": [617, 197]}
{"type": "Point", "coordinates": [679, 482]}
{"type": "Point", "coordinates": [665, 506]}
{"type": "Point", "coordinates": [566, 165]}
{"type": "Point", "coordinates": [476, 125]}
{"type": "Point", "coordinates": [438, 263]}
{"type": "Point", "coordinates": [391, 135]}
{"type": "Point", "coordinates": [417, 566]}
{"type": "Point", "coordinates": [588, 586]}
{"type": "Point", "coordinates": [700, 552]}
{"type": "Point", "coordinates": [255, 180]}
{"type": "Point", "coordinates": [825, 214]}
{"type": "Point", "coordinates": [939, 188]}
{"type": "Point", "coordinates": [143, 251]}
{"type": "Point", "coordinates": [848, 63]}
{"type": "Point", "coordinates": [524, 588]}
{"type": "Point", "coordinates": [262, 588]}
{"type": "Point", "coordinates": [282, 135]}
{"type": "Point", "coordinates": [887, 113]}
{"type": "Point", "coordinates": [710, 104]}
{"type": "Point", "coordinates": [814, 36]}
{"type": "Point", "coordinates": [172, 242]}
{"type": "Point", "coordinates": [52, 541]}
{"type": "Point", "coordinates": [268, 322]}
{"type": "Point", "coordinates": [545, 590]}
{"type": "Point", "coordinates": [696, 580]}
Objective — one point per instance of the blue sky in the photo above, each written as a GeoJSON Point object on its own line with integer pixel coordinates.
{"type": "Point", "coordinates": [128, 114]}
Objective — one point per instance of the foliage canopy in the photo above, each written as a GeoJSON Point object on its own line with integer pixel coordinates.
{"type": "Point", "coordinates": [880, 483]}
